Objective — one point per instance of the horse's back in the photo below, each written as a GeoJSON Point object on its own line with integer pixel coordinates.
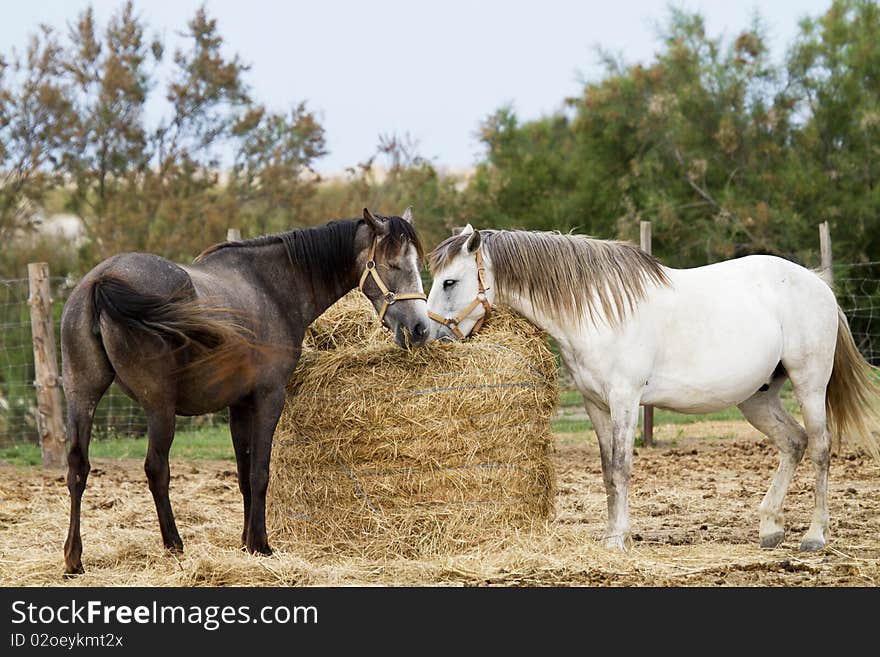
{"type": "Point", "coordinates": [770, 288]}
{"type": "Point", "coordinates": [148, 273]}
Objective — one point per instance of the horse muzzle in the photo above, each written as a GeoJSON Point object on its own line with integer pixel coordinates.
{"type": "Point", "coordinates": [414, 335]}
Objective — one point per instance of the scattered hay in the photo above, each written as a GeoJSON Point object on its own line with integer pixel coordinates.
{"type": "Point", "coordinates": [123, 547]}
{"type": "Point", "coordinates": [389, 452]}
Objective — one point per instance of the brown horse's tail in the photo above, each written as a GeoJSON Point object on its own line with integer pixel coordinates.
{"type": "Point", "coordinates": [852, 395]}
{"type": "Point", "coordinates": [208, 336]}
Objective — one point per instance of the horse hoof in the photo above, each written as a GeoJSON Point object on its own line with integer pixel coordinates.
{"type": "Point", "coordinates": [615, 543]}
{"type": "Point", "coordinates": [772, 540]}
{"type": "Point", "coordinates": [263, 550]}
{"type": "Point", "coordinates": [812, 545]}
{"type": "Point", "coordinates": [73, 571]}
{"type": "Point", "coordinates": [175, 547]}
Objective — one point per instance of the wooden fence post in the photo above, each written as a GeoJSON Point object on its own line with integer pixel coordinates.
{"type": "Point", "coordinates": [647, 411]}
{"type": "Point", "coordinates": [825, 252]}
{"type": "Point", "coordinates": [50, 424]}
{"type": "Point", "coordinates": [233, 235]}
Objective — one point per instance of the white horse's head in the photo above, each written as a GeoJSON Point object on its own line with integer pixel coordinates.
{"type": "Point", "coordinates": [461, 294]}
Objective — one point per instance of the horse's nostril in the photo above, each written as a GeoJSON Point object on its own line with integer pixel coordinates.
{"type": "Point", "coordinates": [420, 330]}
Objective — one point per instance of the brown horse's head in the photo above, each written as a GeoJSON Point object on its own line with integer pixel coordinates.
{"type": "Point", "coordinates": [390, 255]}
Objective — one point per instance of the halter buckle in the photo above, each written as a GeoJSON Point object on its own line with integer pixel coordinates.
{"type": "Point", "coordinates": [371, 264]}
{"type": "Point", "coordinates": [390, 298]}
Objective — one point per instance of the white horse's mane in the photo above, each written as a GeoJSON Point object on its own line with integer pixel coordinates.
{"type": "Point", "coordinates": [572, 276]}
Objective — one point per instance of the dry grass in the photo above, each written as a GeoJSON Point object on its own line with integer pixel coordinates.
{"type": "Point", "coordinates": [694, 509]}
{"type": "Point", "coordinates": [381, 451]}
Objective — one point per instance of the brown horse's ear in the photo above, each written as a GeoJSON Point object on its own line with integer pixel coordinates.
{"type": "Point", "coordinates": [380, 226]}
{"type": "Point", "coordinates": [407, 215]}
{"type": "Point", "coordinates": [473, 242]}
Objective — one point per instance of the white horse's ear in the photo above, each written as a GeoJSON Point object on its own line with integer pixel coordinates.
{"type": "Point", "coordinates": [377, 224]}
{"type": "Point", "coordinates": [467, 230]}
{"type": "Point", "coordinates": [473, 242]}
{"type": "Point", "coordinates": [407, 215]}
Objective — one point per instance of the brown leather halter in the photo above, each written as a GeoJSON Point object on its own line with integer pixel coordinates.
{"type": "Point", "coordinates": [389, 298]}
{"type": "Point", "coordinates": [452, 322]}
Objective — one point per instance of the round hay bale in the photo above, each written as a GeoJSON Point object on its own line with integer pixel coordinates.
{"type": "Point", "coordinates": [380, 450]}
{"type": "Point", "coordinates": [350, 322]}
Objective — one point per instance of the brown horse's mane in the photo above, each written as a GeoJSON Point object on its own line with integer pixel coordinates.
{"type": "Point", "coordinates": [328, 247]}
{"type": "Point", "coordinates": [562, 274]}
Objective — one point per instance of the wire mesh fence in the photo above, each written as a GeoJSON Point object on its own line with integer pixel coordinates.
{"type": "Point", "coordinates": [116, 416]}
{"type": "Point", "coordinates": [858, 292]}
{"type": "Point", "coordinates": [17, 395]}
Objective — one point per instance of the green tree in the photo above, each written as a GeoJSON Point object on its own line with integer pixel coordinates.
{"type": "Point", "coordinates": [109, 157]}
{"type": "Point", "coordinates": [34, 126]}
{"type": "Point", "coordinates": [272, 179]}
{"type": "Point", "coordinates": [528, 176]}
{"type": "Point", "coordinates": [394, 177]}
{"type": "Point", "coordinates": [167, 187]}
{"type": "Point", "coordinates": [834, 169]}
{"type": "Point", "coordinates": [694, 141]}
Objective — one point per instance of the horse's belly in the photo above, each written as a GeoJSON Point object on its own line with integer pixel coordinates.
{"type": "Point", "coordinates": [716, 369]}
{"type": "Point", "coordinates": [210, 396]}
{"type": "Point", "coordinates": [698, 401]}
{"type": "Point", "coordinates": [704, 396]}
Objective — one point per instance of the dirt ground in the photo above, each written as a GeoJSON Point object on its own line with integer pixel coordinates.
{"type": "Point", "coordinates": [694, 515]}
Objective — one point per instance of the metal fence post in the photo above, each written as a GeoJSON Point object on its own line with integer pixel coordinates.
{"type": "Point", "coordinates": [50, 424]}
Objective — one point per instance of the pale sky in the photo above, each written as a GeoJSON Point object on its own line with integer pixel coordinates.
{"type": "Point", "coordinates": [433, 70]}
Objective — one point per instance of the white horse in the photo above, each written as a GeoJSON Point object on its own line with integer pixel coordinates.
{"type": "Point", "coordinates": [632, 332]}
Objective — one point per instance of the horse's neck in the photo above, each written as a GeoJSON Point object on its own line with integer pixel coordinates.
{"type": "Point", "coordinates": [322, 296]}
{"type": "Point", "coordinates": [313, 294]}
{"type": "Point", "coordinates": [299, 291]}
{"type": "Point", "coordinates": [521, 304]}
{"type": "Point", "coordinates": [569, 337]}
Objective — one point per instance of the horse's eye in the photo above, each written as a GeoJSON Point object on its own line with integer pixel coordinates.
{"type": "Point", "coordinates": [448, 283]}
{"type": "Point", "coordinates": [394, 267]}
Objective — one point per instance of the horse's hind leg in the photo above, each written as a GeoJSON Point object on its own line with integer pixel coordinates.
{"type": "Point", "coordinates": [86, 374]}
{"type": "Point", "coordinates": [812, 400]}
{"type": "Point", "coordinates": [765, 412]}
{"type": "Point", "coordinates": [160, 429]}
{"type": "Point", "coordinates": [80, 414]}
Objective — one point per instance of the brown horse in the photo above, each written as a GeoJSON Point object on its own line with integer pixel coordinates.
{"type": "Point", "coordinates": [223, 332]}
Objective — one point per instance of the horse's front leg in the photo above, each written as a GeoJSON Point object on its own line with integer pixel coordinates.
{"type": "Point", "coordinates": [615, 430]}
{"type": "Point", "coordinates": [267, 407]}
{"type": "Point", "coordinates": [241, 426]}
{"type": "Point", "coordinates": [601, 419]}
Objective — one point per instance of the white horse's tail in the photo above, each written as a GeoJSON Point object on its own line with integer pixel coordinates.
{"type": "Point", "coordinates": [853, 393]}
